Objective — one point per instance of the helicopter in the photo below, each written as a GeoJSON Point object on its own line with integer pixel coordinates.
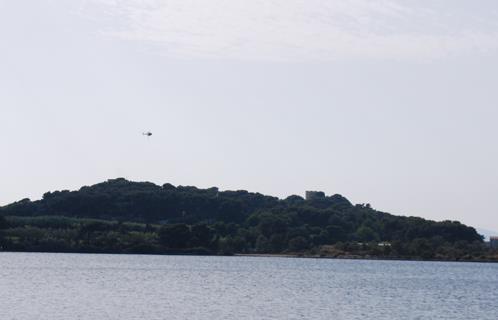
{"type": "Point", "coordinates": [148, 133]}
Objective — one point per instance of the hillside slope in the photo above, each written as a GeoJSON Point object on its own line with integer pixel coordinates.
{"type": "Point", "coordinates": [166, 218]}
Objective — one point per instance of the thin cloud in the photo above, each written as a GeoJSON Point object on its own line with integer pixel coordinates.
{"type": "Point", "coordinates": [297, 30]}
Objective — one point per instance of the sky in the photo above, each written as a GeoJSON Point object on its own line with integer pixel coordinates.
{"type": "Point", "coordinates": [387, 102]}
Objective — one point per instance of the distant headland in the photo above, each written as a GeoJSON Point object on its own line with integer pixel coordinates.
{"type": "Point", "coordinates": [121, 216]}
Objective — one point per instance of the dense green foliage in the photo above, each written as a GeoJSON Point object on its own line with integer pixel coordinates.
{"type": "Point", "coordinates": [122, 216]}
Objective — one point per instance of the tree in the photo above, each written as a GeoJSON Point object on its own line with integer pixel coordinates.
{"type": "Point", "coordinates": [262, 244]}
{"type": "Point", "coordinates": [201, 235]}
{"type": "Point", "coordinates": [3, 223]}
{"type": "Point", "coordinates": [270, 224]}
{"type": "Point", "coordinates": [226, 245]}
{"type": "Point", "coordinates": [298, 244]}
{"type": "Point", "coordinates": [277, 242]}
{"type": "Point", "coordinates": [175, 236]}
{"type": "Point", "coordinates": [422, 248]}
{"type": "Point", "coordinates": [366, 234]}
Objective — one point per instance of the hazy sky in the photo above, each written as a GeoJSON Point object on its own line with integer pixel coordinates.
{"type": "Point", "coordinates": [389, 102]}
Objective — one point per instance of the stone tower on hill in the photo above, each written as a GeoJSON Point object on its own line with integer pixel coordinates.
{"type": "Point", "coordinates": [314, 195]}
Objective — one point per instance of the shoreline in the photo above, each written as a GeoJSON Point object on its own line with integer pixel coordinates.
{"type": "Point", "coordinates": [352, 257]}
{"type": "Point", "coordinates": [267, 255]}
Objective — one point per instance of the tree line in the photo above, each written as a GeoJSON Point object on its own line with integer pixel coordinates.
{"type": "Point", "coordinates": [121, 216]}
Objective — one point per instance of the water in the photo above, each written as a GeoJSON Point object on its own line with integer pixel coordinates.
{"type": "Point", "coordinates": [98, 287]}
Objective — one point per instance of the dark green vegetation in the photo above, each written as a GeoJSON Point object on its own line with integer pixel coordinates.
{"type": "Point", "coordinates": [119, 216]}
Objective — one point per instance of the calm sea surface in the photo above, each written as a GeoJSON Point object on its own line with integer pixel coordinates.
{"type": "Point", "coordinates": [94, 287]}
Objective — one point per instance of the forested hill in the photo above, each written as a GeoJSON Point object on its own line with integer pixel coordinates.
{"type": "Point", "coordinates": [177, 218]}
{"type": "Point", "coordinates": [147, 202]}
